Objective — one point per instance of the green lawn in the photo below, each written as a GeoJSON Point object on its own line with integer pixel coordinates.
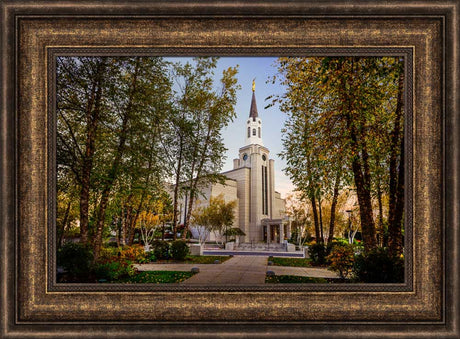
{"type": "Point", "coordinates": [205, 259]}
{"type": "Point", "coordinates": [157, 277]}
{"type": "Point", "coordinates": [286, 279]}
{"type": "Point", "coordinates": [293, 262]}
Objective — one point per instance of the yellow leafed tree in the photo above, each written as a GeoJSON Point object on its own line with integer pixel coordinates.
{"type": "Point", "coordinates": [148, 223]}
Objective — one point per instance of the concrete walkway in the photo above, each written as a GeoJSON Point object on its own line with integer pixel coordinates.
{"type": "Point", "coordinates": [312, 272]}
{"type": "Point", "coordinates": [239, 270]}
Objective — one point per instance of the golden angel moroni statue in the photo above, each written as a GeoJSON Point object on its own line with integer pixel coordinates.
{"type": "Point", "coordinates": [253, 84]}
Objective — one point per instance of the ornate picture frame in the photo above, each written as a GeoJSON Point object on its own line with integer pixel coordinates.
{"type": "Point", "coordinates": [32, 305]}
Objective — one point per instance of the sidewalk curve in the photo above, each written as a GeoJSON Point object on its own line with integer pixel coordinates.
{"type": "Point", "coordinates": [239, 270]}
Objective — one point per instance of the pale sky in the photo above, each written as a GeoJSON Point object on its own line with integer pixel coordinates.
{"type": "Point", "coordinates": [260, 68]}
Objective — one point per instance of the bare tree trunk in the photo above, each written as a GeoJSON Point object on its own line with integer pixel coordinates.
{"type": "Point", "coordinates": [395, 232]}
{"type": "Point", "coordinates": [365, 207]}
{"type": "Point", "coordinates": [61, 231]}
{"type": "Point", "coordinates": [127, 223]}
{"type": "Point", "coordinates": [320, 203]}
{"type": "Point", "coordinates": [363, 189]}
{"type": "Point", "coordinates": [119, 230]}
{"type": "Point", "coordinates": [194, 181]}
{"type": "Point", "coordinates": [379, 201]}
{"type": "Point", "coordinates": [176, 189]}
{"type": "Point", "coordinates": [335, 196]}
{"type": "Point", "coordinates": [361, 172]}
{"type": "Point", "coordinates": [396, 204]}
{"type": "Point", "coordinates": [132, 234]}
{"type": "Point", "coordinates": [93, 110]}
{"type": "Point", "coordinates": [188, 214]}
{"type": "Point", "coordinates": [315, 218]}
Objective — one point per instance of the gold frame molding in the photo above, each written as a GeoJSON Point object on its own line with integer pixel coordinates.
{"type": "Point", "coordinates": [32, 305]}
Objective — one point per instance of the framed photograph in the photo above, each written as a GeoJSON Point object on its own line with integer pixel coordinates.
{"type": "Point", "coordinates": [195, 169]}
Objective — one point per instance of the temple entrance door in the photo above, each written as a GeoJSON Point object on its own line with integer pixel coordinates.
{"type": "Point", "coordinates": [274, 234]}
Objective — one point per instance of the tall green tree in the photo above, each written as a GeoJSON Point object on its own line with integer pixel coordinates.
{"type": "Point", "coordinates": [193, 142]}
{"type": "Point", "coordinates": [81, 108]}
{"type": "Point", "coordinates": [341, 113]}
{"type": "Point", "coordinates": [108, 112]}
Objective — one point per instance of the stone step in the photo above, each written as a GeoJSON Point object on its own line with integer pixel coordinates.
{"type": "Point", "coordinates": [260, 246]}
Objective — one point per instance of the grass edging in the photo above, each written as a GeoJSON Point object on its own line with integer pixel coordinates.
{"type": "Point", "coordinates": [293, 279]}
{"type": "Point", "coordinates": [291, 262]}
{"type": "Point", "coordinates": [157, 277]}
{"type": "Point", "coordinates": [195, 259]}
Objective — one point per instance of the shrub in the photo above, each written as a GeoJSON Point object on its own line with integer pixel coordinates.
{"type": "Point", "coordinates": [341, 259]}
{"type": "Point", "coordinates": [129, 268]}
{"type": "Point", "coordinates": [114, 270]}
{"type": "Point", "coordinates": [133, 253]}
{"type": "Point", "coordinates": [73, 232]}
{"type": "Point", "coordinates": [75, 258]}
{"type": "Point", "coordinates": [109, 271]}
{"type": "Point", "coordinates": [112, 244]}
{"type": "Point", "coordinates": [335, 242]}
{"type": "Point", "coordinates": [150, 256]}
{"type": "Point", "coordinates": [341, 240]}
{"type": "Point", "coordinates": [317, 253]}
{"type": "Point", "coordinates": [144, 260]}
{"type": "Point", "coordinates": [179, 250]}
{"type": "Point", "coordinates": [108, 253]}
{"type": "Point", "coordinates": [160, 249]}
{"type": "Point", "coordinates": [378, 266]}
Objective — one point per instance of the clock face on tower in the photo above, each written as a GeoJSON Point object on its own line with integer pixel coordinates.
{"type": "Point", "coordinates": [245, 157]}
{"type": "Point", "coordinates": [264, 157]}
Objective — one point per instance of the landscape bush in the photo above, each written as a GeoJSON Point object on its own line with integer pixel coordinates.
{"type": "Point", "coordinates": [111, 270]}
{"type": "Point", "coordinates": [73, 232]}
{"type": "Point", "coordinates": [108, 253]}
{"type": "Point", "coordinates": [317, 253]}
{"type": "Point", "coordinates": [150, 256]}
{"type": "Point", "coordinates": [335, 242]}
{"type": "Point", "coordinates": [179, 250]}
{"type": "Point", "coordinates": [378, 266]}
{"type": "Point", "coordinates": [75, 258]}
{"type": "Point", "coordinates": [341, 259]}
{"type": "Point", "coordinates": [160, 249]}
{"type": "Point", "coordinates": [133, 253]}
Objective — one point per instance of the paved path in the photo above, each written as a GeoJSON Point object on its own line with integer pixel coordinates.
{"type": "Point", "coordinates": [303, 271]}
{"type": "Point", "coordinates": [239, 270]}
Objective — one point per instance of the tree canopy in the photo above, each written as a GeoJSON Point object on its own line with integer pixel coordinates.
{"type": "Point", "coordinates": [130, 130]}
{"type": "Point", "coordinates": [217, 216]}
{"type": "Point", "coordinates": [344, 128]}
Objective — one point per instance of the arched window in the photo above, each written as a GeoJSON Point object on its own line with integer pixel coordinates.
{"type": "Point", "coordinates": [259, 132]}
{"type": "Point", "coordinates": [249, 132]}
{"type": "Point", "coordinates": [254, 132]}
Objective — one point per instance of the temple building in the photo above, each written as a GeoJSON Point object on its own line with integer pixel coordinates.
{"type": "Point", "coordinates": [260, 210]}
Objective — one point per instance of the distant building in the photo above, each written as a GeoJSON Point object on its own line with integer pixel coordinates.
{"type": "Point", "coordinates": [260, 210]}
